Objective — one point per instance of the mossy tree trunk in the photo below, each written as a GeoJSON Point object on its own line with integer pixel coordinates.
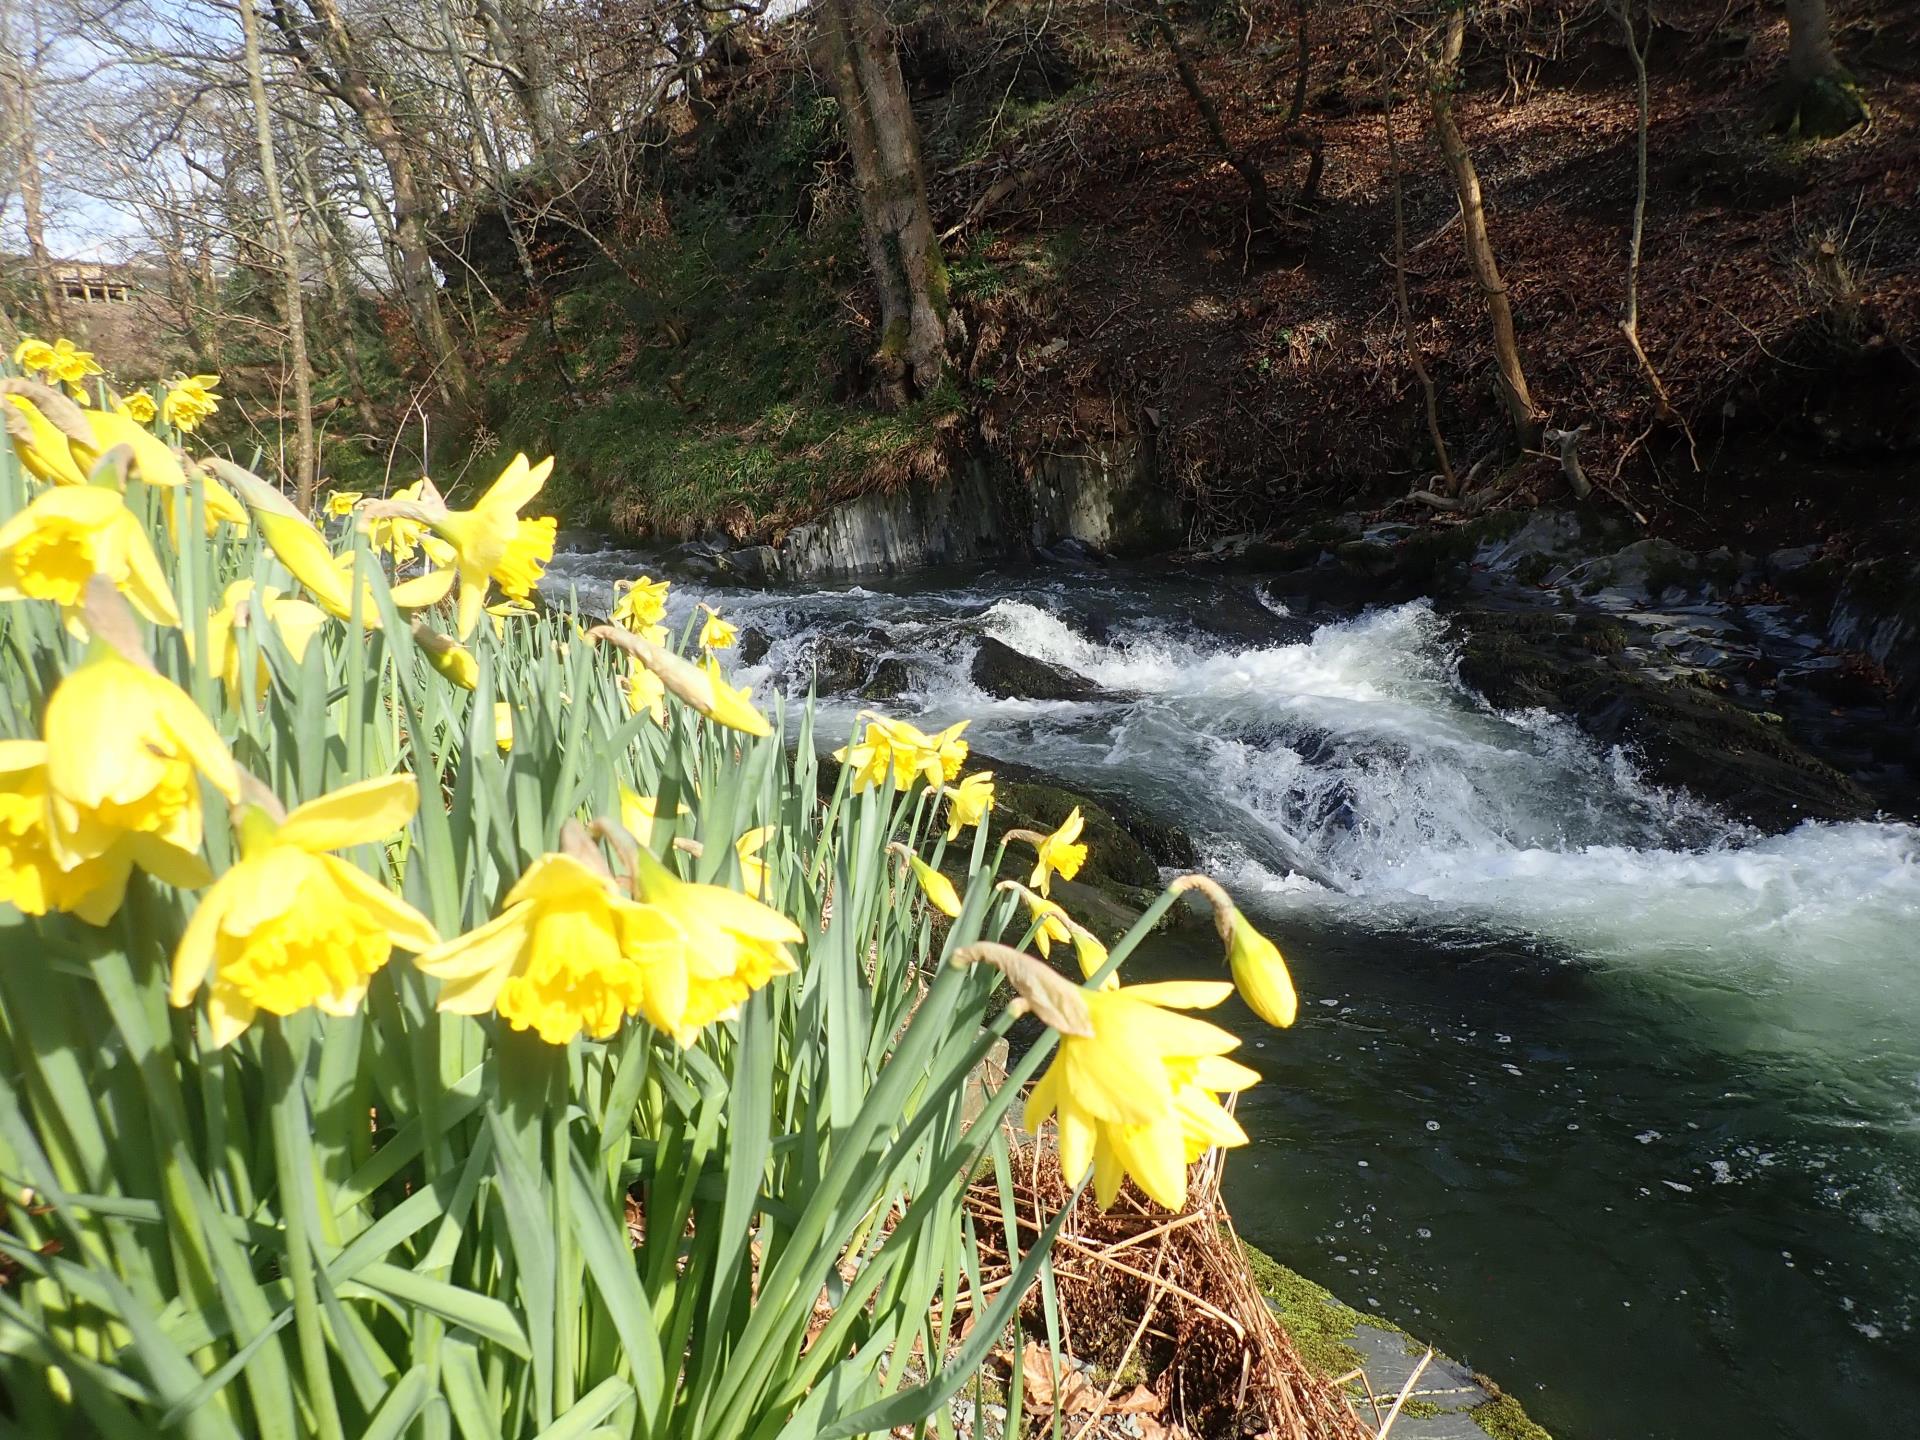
{"type": "Point", "coordinates": [1819, 97]}
{"type": "Point", "coordinates": [916, 320]}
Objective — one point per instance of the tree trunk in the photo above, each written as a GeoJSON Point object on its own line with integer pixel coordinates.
{"type": "Point", "coordinates": [16, 105]}
{"type": "Point", "coordinates": [1819, 97]}
{"type": "Point", "coordinates": [916, 320]}
{"type": "Point", "coordinates": [1260, 212]}
{"type": "Point", "coordinates": [525, 66]}
{"type": "Point", "coordinates": [346, 77]}
{"type": "Point", "coordinates": [1527, 418]}
{"type": "Point", "coordinates": [331, 245]}
{"type": "Point", "coordinates": [303, 474]}
{"type": "Point", "coordinates": [1449, 481]}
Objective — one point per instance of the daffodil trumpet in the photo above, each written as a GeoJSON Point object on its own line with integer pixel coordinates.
{"type": "Point", "coordinates": [1259, 970]}
{"type": "Point", "coordinates": [1052, 923]}
{"type": "Point", "coordinates": [936, 887]}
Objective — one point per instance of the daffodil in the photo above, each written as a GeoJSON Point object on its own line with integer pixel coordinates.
{"type": "Point", "coordinates": [645, 692]}
{"type": "Point", "coordinates": [295, 620]}
{"type": "Point", "coordinates": [731, 945]}
{"type": "Point", "coordinates": [137, 407]}
{"type": "Point", "coordinates": [753, 870]}
{"type": "Point", "coordinates": [41, 445]}
{"type": "Point", "coordinates": [641, 606]}
{"type": "Point", "coordinates": [153, 460]}
{"type": "Point", "coordinates": [968, 802]}
{"type": "Point", "coordinates": [291, 925]}
{"type": "Point", "coordinates": [70, 534]}
{"type": "Point", "coordinates": [502, 611]}
{"type": "Point", "coordinates": [493, 543]}
{"type": "Point", "coordinates": [307, 556]}
{"type": "Point", "coordinates": [936, 887]}
{"type": "Point", "coordinates": [400, 538]}
{"type": "Point", "coordinates": [503, 725]}
{"type": "Point", "coordinates": [1052, 923]}
{"type": "Point", "coordinates": [568, 955]}
{"type": "Point", "coordinates": [705, 688]}
{"type": "Point", "coordinates": [218, 507]}
{"type": "Point", "coordinates": [190, 401]}
{"type": "Point", "coordinates": [1260, 974]}
{"type": "Point", "coordinates": [71, 365]}
{"type": "Point", "coordinates": [1130, 1097]}
{"type": "Point", "coordinates": [638, 813]}
{"type": "Point", "coordinates": [33, 355]}
{"type": "Point", "coordinates": [340, 503]}
{"type": "Point", "coordinates": [899, 752]}
{"type": "Point", "coordinates": [1059, 853]}
{"type": "Point", "coordinates": [31, 880]}
{"type": "Point", "coordinates": [1258, 968]}
{"type": "Point", "coordinates": [715, 633]}
{"type": "Point", "coordinates": [126, 752]}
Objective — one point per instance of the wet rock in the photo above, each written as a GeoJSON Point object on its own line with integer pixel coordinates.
{"type": "Point", "coordinates": [694, 560]}
{"type": "Point", "coordinates": [891, 677]}
{"type": "Point", "coordinates": [1001, 670]}
{"type": "Point", "coordinates": [1681, 732]}
{"type": "Point", "coordinates": [754, 645]}
{"type": "Point", "coordinates": [754, 564]}
{"type": "Point", "coordinates": [840, 666]}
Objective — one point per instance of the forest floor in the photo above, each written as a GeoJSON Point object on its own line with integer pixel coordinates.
{"type": "Point", "coordinates": [1101, 255]}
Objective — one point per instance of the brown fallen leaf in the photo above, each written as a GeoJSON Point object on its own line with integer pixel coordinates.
{"type": "Point", "coordinates": [1137, 1401]}
{"type": "Point", "coordinates": [1071, 1394]}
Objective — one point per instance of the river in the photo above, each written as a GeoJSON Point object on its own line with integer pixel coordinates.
{"type": "Point", "coordinates": [1609, 1097]}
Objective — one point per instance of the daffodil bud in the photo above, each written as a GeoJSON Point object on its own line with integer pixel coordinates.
{"type": "Point", "coordinates": [1260, 974]}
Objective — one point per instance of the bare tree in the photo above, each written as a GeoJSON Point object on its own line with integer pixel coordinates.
{"type": "Point", "coordinates": [19, 62]}
{"type": "Point", "coordinates": [916, 321]}
{"type": "Point", "coordinates": [329, 52]}
{"type": "Point", "coordinates": [293, 304]}
{"type": "Point", "coordinates": [1442, 76]}
{"type": "Point", "coordinates": [1260, 212]}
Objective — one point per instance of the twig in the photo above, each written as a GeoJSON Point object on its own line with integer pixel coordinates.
{"type": "Point", "coordinates": [1405, 1391]}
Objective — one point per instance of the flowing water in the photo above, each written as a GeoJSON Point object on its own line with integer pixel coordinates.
{"type": "Point", "coordinates": [1607, 1096]}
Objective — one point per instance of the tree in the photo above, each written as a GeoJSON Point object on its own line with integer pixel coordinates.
{"type": "Point", "coordinates": [1819, 98]}
{"type": "Point", "coordinates": [1443, 71]}
{"type": "Point", "coordinates": [330, 54]}
{"type": "Point", "coordinates": [916, 321]}
{"type": "Point", "coordinates": [295, 310]}
{"type": "Point", "coordinates": [19, 127]}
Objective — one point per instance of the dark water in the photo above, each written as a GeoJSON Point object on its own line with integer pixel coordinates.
{"type": "Point", "coordinates": [1597, 1091]}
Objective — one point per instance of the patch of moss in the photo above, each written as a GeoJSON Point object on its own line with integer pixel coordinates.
{"type": "Point", "coordinates": [1320, 1327]}
{"type": "Point", "coordinates": [1503, 1419]}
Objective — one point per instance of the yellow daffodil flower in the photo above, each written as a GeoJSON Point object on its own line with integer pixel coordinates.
{"type": "Point", "coordinates": [30, 878]}
{"type": "Point", "coordinates": [291, 925]}
{"type": "Point", "coordinates": [638, 813]}
{"type": "Point", "coordinates": [307, 556]}
{"type": "Point", "coordinates": [137, 407]}
{"type": "Point", "coordinates": [1059, 854]}
{"type": "Point", "coordinates": [492, 543]}
{"type": "Point", "coordinates": [936, 887]}
{"type": "Point", "coordinates": [568, 955]}
{"type": "Point", "coordinates": [70, 534]}
{"type": "Point", "coordinates": [715, 633]}
{"type": "Point", "coordinates": [968, 802]}
{"type": "Point", "coordinates": [33, 355]}
{"type": "Point", "coordinates": [43, 449]}
{"type": "Point", "coordinates": [71, 366]}
{"type": "Point", "coordinates": [218, 507]}
{"type": "Point", "coordinates": [126, 750]}
{"type": "Point", "coordinates": [731, 945]}
{"type": "Point", "coordinates": [190, 401]}
{"type": "Point", "coordinates": [640, 607]}
{"type": "Point", "coordinates": [1260, 973]}
{"type": "Point", "coordinates": [502, 611]}
{"type": "Point", "coordinates": [153, 460]}
{"type": "Point", "coordinates": [400, 539]}
{"type": "Point", "coordinates": [645, 692]}
{"type": "Point", "coordinates": [1054, 924]}
{"type": "Point", "coordinates": [503, 725]}
{"type": "Point", "coordinates": [871, 758]}
{"type": "Point", "coordinates": [296, 621]}
{"type": "Point", "coordinates": [340, 503]}
{"type": "Point", "coordinates": [1129, 1095]}
{"type": "Point", "coordinates": [753, 870]}
{"type": "Point", "coordinates": [1258, 968]}
{"type": "Point", "coordinates": [730, 705]}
